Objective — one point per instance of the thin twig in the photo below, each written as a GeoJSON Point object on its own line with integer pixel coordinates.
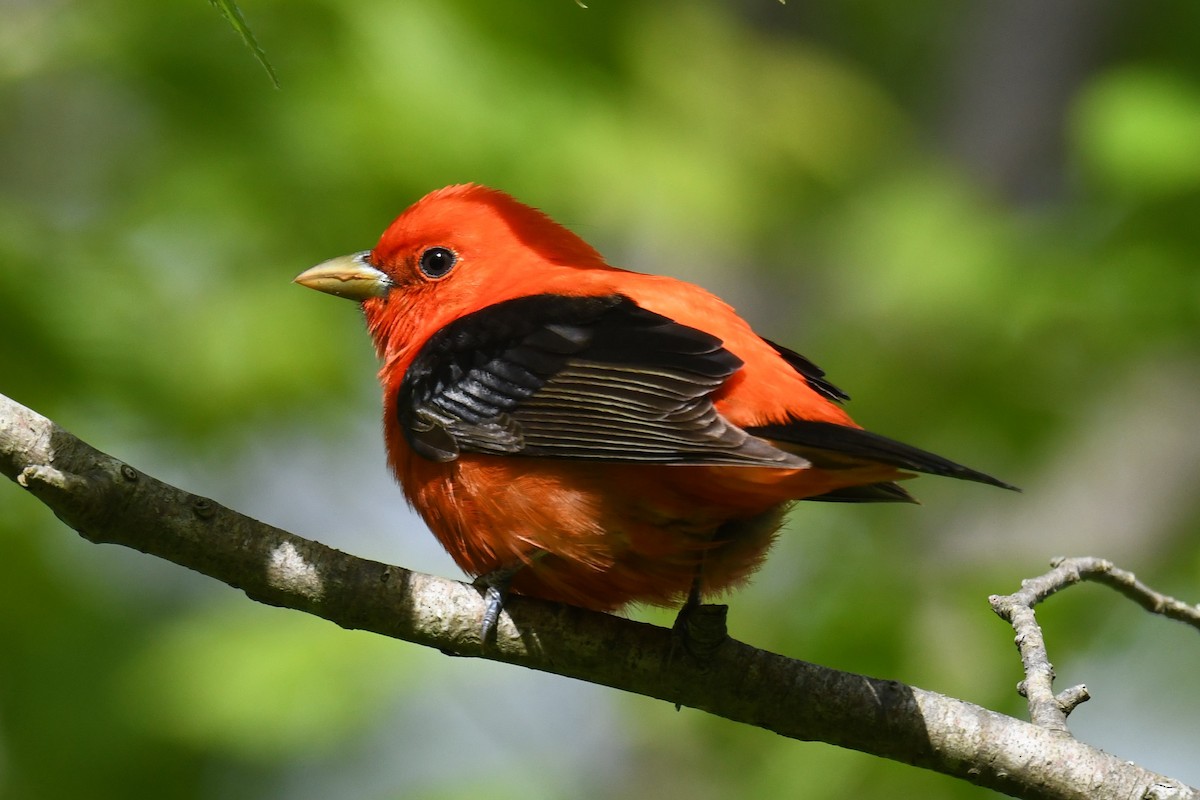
{"type": "Point", "coordinates": [1100, 570]}
{"type": "Point", "coordinates": [1045, 708]}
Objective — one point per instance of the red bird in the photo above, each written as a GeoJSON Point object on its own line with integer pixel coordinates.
{"type": "Point", "coordinates": [588, 434]}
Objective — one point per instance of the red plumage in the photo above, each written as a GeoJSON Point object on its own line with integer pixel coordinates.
{"type": "Point", "coordinates": [611, 436]}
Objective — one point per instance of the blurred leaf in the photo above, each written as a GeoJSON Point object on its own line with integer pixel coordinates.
{"type": "Point", "coordinates": [233, 15]}
{"type": "Point", "coordinates": [1137, 130]}
{"type": "Point", "coordinates": [260, 683]}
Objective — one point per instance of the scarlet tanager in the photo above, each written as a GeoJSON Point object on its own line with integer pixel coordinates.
{"type": "Point", "coordinates": [584, 433]}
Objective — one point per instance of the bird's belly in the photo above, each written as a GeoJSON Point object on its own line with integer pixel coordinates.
{"type": "Point", "coordinates": [593, 534]}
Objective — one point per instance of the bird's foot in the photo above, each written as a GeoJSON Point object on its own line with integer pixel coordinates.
{"type": "Point", "coordinates": [495, 591]}
{"type": "Point", "coordinates": [699, 630]}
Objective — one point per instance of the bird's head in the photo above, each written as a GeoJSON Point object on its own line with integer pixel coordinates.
{"type": "Point", "coordinates": [454, 251]}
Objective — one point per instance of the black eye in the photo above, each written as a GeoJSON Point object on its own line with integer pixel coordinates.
{"type": "Point", "coordinates": [437, 261]}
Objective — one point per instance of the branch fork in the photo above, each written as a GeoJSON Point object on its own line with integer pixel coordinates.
{"type": "Point", "coordinates": [1047, 709]}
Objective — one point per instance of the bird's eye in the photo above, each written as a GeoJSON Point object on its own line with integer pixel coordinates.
{"type": "Point", "coordinates": [437, 261]}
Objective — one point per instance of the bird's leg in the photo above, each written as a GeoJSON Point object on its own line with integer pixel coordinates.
{"type": "Point", "coordinates": [495, 585]}
{"type": "Point", "coordinates": [699, 629]}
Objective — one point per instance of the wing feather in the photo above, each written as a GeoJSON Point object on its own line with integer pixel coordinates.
{"type": "Point", "coordinates": [576, 377]}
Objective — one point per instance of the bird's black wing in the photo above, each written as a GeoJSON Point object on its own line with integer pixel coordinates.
{"type": "Point", "coordinates": [813, 375]}
{"type": "Point", "coordinates": [560, 376]}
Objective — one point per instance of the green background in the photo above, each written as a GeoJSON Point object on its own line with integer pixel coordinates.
{"type": "Point", "coordinates": [983, 220]}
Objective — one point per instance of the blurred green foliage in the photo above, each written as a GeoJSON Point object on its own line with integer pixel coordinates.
{"type": "Point", "coordinates": [980, 219]}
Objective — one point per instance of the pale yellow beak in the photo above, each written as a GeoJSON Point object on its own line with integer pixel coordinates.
{"type": "Point", "coordinates": [351, 277]}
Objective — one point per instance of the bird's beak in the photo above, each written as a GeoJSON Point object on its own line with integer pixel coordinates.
{"type": "Point", "coordinates": [351, 277]}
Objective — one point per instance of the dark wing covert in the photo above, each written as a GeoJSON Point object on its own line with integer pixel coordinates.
{"type": "Point", "coordinates": [559, 376]}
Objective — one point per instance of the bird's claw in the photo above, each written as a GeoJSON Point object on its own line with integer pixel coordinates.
{"type": "Point", "coordinates": [495, 590]}
{"type": "Point", "coordinates": [699, 631]}
{"type": "Point", "coordinates": [494, 603]}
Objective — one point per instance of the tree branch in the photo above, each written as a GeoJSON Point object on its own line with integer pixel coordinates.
{"type": "Point", "coordinates": [1046, 708]}
{"type": "Point", "coordinates": [106, 500]}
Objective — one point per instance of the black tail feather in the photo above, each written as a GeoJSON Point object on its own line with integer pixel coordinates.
{"type": "Point", "coordinates": [871, 493]}
{"type": "Point", "coordinates": [857, 443]}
